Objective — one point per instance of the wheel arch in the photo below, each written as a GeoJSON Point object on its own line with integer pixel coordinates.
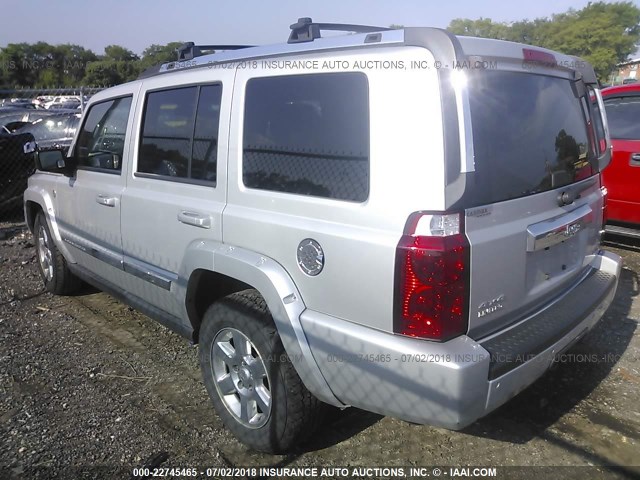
{"type": "Point", "coordinates": [213, 266]}
{"type": "Point", "coordinates": [31, 209]}
{"type": "Point", "coordinates": [38, 199]}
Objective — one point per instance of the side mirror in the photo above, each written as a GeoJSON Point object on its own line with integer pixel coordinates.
{"type": "Point", "coordinates": [53, 161]}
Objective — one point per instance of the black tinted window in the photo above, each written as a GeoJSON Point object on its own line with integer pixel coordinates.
{"type": "Point", "coordinates": [308, 134]}
{"type": "Point", "coordinates": [623, 115]}
{"type": "Point", "coordinates": [101, 140]}
{"type": "Point", "coordinates": [205, 139]}
{"type": "Point", "coordinates": [529, 135]}
{"type": "Point", "coordinates": [167, 131]}
{"type": "Point", "coordinates": [180, 133]}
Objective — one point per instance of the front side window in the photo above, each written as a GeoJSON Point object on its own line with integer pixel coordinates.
{"type": "Point", "coordinates": [623, 115]}
{"type": "Point", "coordinates": [101, 140]}
{"type": "Point", "coordinates": [308, 135]}
{"type": "Point", "coordinates": [180, 133]}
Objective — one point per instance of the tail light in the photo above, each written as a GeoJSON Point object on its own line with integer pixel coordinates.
{"type": "Point", "coordinates": [431, 298]}
{"type": "Point", "coordinates": [538, 56]}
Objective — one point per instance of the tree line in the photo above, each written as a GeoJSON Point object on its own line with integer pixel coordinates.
{"type": "Point", "coordinates": [604, 34]}
{"type": "Point", "coordinates": [41, 65]}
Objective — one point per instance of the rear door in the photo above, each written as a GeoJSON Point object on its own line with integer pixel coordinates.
{"type": "Point", "coordinates": [176, 189]}
{"type": "Point", "coordinates": [622, 176]}
{"type": "Point", "coordinates": [534, 204]}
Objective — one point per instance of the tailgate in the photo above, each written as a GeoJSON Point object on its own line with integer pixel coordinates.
{"type": "Point", "coordinates": [527, 252]}
{"type": "Point", "coordinates": [534, 208]}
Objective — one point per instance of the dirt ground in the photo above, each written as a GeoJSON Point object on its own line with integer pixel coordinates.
{"type": "Point", "coordinates": [90, 388]}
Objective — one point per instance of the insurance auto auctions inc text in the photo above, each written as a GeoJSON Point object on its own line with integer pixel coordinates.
{"type": "Point", "coordinates": [374, 472]}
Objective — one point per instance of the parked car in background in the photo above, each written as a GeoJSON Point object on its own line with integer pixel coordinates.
{"type": "Point", "coordinates": [15, 118]}
{"type": "Point", "coordinates": [18, 102]}
{"type": "Point", "coordinates": [16, 160]}
{"type": "Point", "coordinates": [622, 176]}
{"type": "Point", "coordinates": [70, 105]}
{"type": "Point", "coordinates": [66, 100]}
{"type": "Point", "coordinates": [15, 168]}
{"type": "Point", "coordinates": [42, 100]}
{"type": "Point", "coordinates": [54, 131]}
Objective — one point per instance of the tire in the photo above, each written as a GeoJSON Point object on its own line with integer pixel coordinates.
{"type": "Point", "coordinates": [54, 271]}
{"type": "Point", "coordinates": [239, 327]}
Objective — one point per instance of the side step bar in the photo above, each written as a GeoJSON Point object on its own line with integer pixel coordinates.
{"type": "Point", "coordinates": [626, 231]}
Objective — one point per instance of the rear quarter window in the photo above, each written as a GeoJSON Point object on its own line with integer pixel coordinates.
{"type": "Point", "coordinates": [308, 135]}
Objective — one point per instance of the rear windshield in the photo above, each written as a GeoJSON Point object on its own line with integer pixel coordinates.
{"type": "Point", "coordinates": [529, 135]}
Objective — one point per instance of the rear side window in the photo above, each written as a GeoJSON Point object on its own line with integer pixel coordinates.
{"type": "Point", "coordinates": [623, 115]}
{"type": "Point", "coordinates": [529, 135]}
{"type": "Point", "coordinates": [308, 135]}
{"type": "Point", "coordinates": [101, 140]}
{"type": "Point", "coordinates": [180, 133]}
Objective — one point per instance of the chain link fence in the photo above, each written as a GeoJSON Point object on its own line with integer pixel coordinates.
{"type": "Point", "coordinates": [48, 117]}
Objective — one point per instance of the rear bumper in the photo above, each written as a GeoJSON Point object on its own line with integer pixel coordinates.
{"type": "Point", "coordinates": [452, 384]}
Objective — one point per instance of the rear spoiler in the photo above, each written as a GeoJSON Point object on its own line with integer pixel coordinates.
{"type": "Point", "coordinates": [586, 70]}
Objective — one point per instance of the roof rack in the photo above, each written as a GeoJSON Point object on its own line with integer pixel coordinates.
{"type": "Point", "coordinates": [190, 50]}
{"type": "Point", "coordinates": [301, 40]}
{"type": "Point", "coordinates": [305, 30]}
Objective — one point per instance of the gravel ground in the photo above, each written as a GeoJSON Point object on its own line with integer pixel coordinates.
{"type": "Point", "coordinates": [90, 388]}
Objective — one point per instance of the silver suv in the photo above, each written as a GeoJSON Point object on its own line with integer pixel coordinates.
{"type": "Point", "coordinates": [403, 221]}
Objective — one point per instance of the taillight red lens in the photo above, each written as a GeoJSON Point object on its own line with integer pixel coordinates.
{"type": "Point", "coordinates": [532, 55]}
{"type": "Point", "coordinates": [431, 284]}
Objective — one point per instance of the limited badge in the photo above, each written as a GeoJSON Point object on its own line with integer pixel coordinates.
{"type": "Point", "coordinates": [310, 257]}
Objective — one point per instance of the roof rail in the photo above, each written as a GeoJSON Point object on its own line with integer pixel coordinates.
{"type": "Point", "coordinates": [190, 50]}
{"type": "Point", "coordinates": [304, 30]}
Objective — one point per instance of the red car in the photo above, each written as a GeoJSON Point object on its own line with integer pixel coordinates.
{"type": "Point", "coordinates": [622, 175]}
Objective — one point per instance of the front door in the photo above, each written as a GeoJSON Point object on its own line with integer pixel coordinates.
{"type": "Point", "coordinates": [622, 176]}
{"type": "Point", "coordinates": [89, 202]}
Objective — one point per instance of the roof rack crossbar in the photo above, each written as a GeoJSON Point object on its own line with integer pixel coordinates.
{"type": "Point", "coordinates": [190, 50]}
{"type": "Point", "coordinates": [305, 30]}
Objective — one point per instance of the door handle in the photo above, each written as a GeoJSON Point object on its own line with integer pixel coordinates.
{"type": "Point", "coordinates": [635, 160]}
{"type": "Point", "coordinates": [194, 218]}
{"type": "Point", "coordinates": [106, 200]}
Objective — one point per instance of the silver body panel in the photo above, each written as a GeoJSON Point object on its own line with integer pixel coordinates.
{"type": "Point", "coordinates": [525, 248]}
{"type": "Point", "coordinates": [443, 384]}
